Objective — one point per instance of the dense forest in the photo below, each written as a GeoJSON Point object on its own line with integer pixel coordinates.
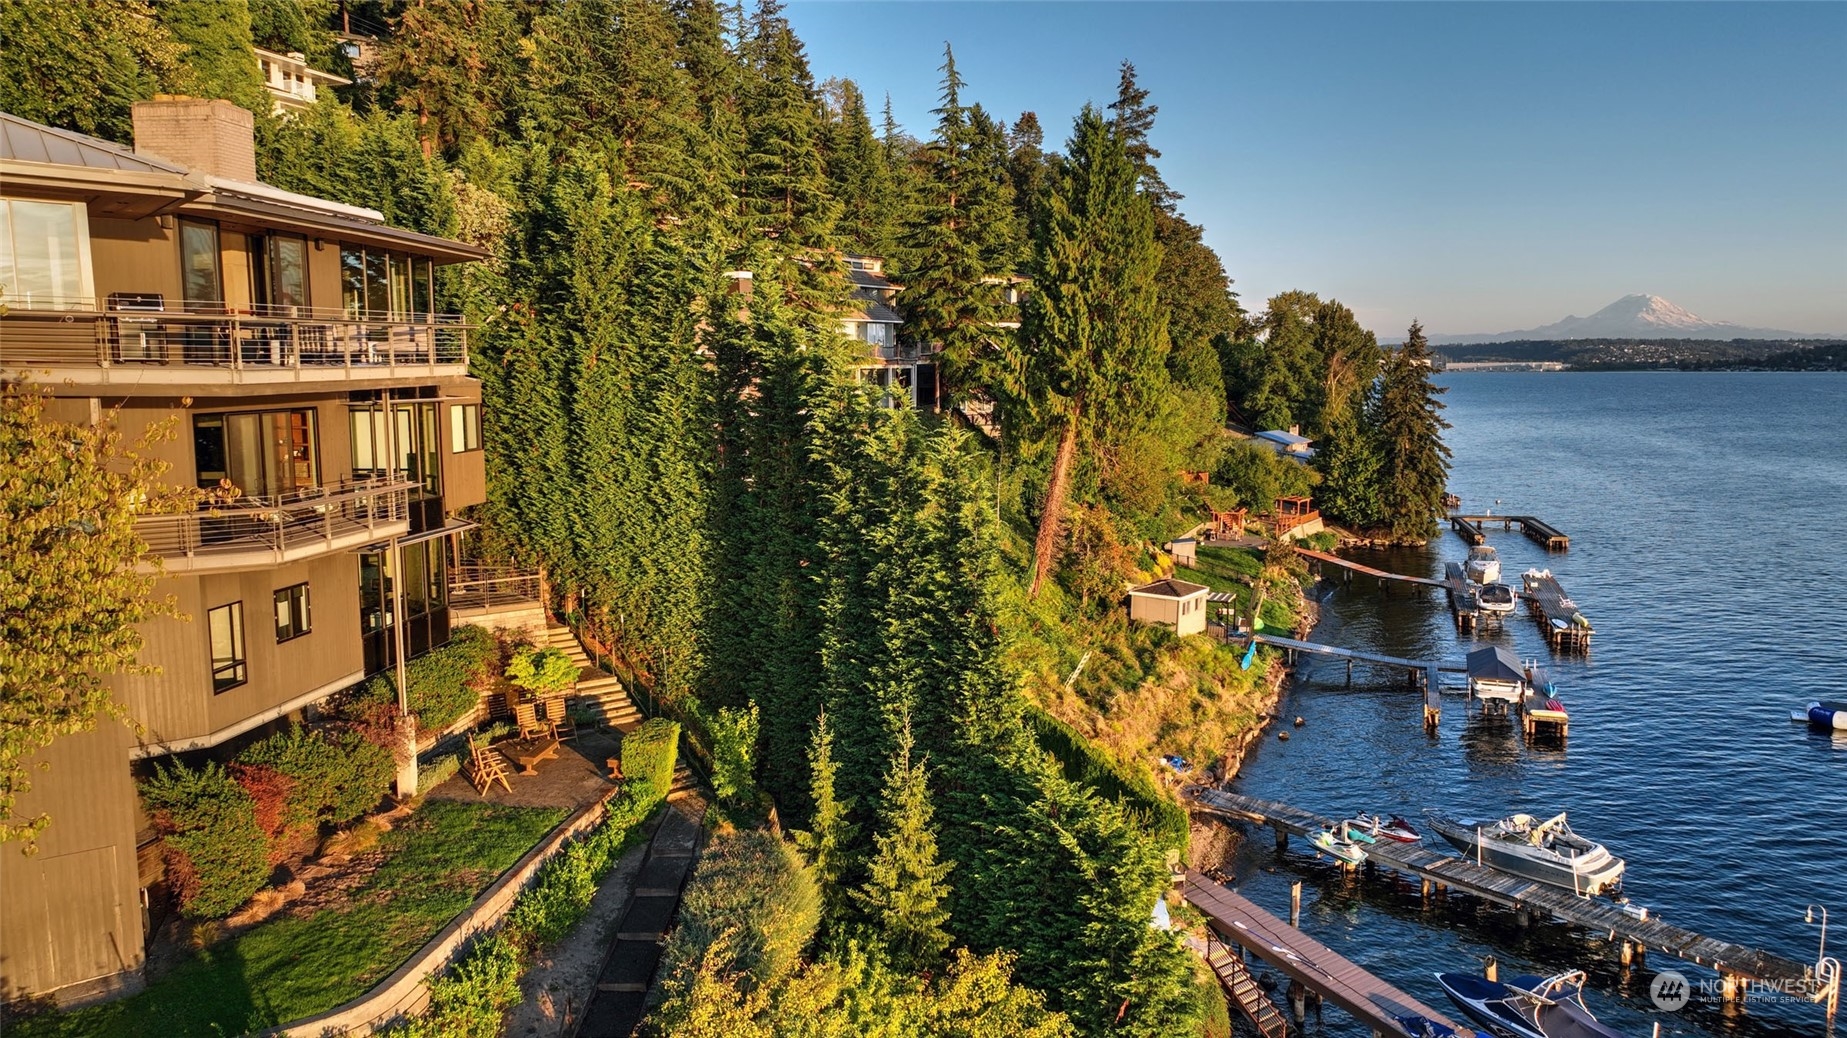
{"type": "Point", "coordinates": [1690, 354]}
{"type": "Point", "coordinates": [867, 614]}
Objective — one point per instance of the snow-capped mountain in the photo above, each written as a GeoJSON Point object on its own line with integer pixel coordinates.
{"type": "Point", "coordinates": [1633, 317]}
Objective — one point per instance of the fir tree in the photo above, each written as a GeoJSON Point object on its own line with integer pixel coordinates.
{"type": "Point", "coordinates": [217, 42]}
{"type": "Point", "coordinates": [1348, 457]}
{"type": "Point", "coordinates": [856, 167]}
{"type": "Point", "coordinates": [904, 892]}
{"type": "Point", "coordinates": [453, 65]}
{"type": "Point", "coordinates": [83, 66]}
{"type": "Point", "coordinates": [1028, 167]}
{"type": "Point", "coordinates": [1094, 335]}
{"type": "Point", "coordinates": [829, 832]}
{"type": "Point", "coordinates": [1133, 120]}
{"type": "Point", "coordinates": [1414, 462]}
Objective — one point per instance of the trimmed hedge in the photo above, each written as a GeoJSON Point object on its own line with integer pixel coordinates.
{"type": "Point", "coordinates": [651, 751]}
{"type": "Point", "coordinates": [217, 856]}
{"type": "Point", "coordinates": [1082, 762]}
{"type": "Point", "coordinates": [445, 683]}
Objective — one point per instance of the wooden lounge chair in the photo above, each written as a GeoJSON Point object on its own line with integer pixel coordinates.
{"type": "Point", "coordinates": [531, 725]}
{"type": "Point", "coordinates": [485, 767]}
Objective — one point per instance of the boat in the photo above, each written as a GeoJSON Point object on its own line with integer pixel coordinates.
{"type": "Point", "coordinates": [1380, 827]}
{"type": "Point", "coordinates": [1494, 598]}
{"type": "Point", "coordinates": [1527, 1007]}
{"type": "Point", "coordinates": [1424, 1027]}
{"type": "Point", "coordinates": [1483, 566]}
{"type": "Point", "coordinates": [1546, 852]}
{"type": "Point", "coordinates": [1828, 714]}
{"type": "Point", "coordinates": [1336, 847]}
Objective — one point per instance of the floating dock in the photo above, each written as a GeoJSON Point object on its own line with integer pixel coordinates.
{"type": "Point", "coordinates": [1470, 529]}
{"type": "Point", "coordinates": [1462, 605]}
{"type": "Point", "coordinates": [1564, 626]}
{"type": "Point", "coordinates": [1634, 933]}
{"type": "Point", "coordinates": [1305, 961]}
{"type": "Point", "coordinates": [1354, 567]}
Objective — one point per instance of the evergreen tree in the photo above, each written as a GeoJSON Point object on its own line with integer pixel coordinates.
{"type": "Point", "coordinates": [1348, 457]}
{"type": "Point", "coordinates": [1028, 167]}
{"type": "Point", "coordinates": [949, 303]}
{"type": "Point", "coordinates": [1133, 120]}
{"type": "Point", "coordinates": [904, 892]}
{"type": "Point", "coordinates": [1093, 332]}
{"type": "Point", "coordinates": [1414, 462]}
{"type": "Point", "coordinates": [83, 66]}
{"type": "Point", "coordinates": [856, 167]}
{"type": "Point", "coordinates": [716, 77]}
{"type": "Point", "coordinates": [829, 832]}
{"type": "Point", "coordinates": [453, 65]}
{"type": "Point", "coordinates": [217, 42]}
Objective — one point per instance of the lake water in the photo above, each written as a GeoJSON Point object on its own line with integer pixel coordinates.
{"type": "Point", "coordinates": [1706, 514]}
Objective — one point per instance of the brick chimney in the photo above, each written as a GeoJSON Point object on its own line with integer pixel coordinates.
{"type": "Point", "coordinates": [212, 137]}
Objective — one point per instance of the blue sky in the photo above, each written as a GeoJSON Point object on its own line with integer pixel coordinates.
{"type": "Point", "coordinates": [1482, 167]}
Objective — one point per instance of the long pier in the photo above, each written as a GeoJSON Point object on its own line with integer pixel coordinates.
{"type": "Point", "coordinates": [1634, 934]}
{"type": "Point", "coordinates": [1423, 673]}
{"type": "Point", "coordinates": [1469, 527]}
{"type": "Point", "coordinates": [1305, 961]}
{"type": "Point", "coordinates": [1354, 567]}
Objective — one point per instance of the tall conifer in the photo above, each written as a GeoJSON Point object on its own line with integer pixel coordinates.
{"type": "Point", "coordinates": [1414, 460]}
{"type": "Point", "coordinates": [904, 891]}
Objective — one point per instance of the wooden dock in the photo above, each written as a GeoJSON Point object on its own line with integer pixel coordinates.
{"type": "Point", "coordinates": [1354, 567]}
{"type": "Point", "coordinates": [1470, 529]}
{"type": "Point", "coordinates": [1546, 600]}
{"type": "Point", "coordinates": [1633, 934]}
{"type": "Point", "coordinates": [1306, 961]}
{"type": "Point", "coordinates": [1424, 673]}
{"type": "Point", "coordinates": [1462, 605]}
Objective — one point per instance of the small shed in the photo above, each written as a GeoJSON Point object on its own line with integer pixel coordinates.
{"type": "Point", "coordinates": [1174, 603]}
{"type": "Point", "coordinates": [1290, 443]}
{"type": "Point", "coordinates": [1185, 551]}
{"type": "Point", "coordinates": [1495, 673]}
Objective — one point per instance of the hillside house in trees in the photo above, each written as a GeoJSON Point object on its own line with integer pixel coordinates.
{"type": "Point", "coordinates": [297, 343]}
{"type": "Point", "coordinates": [906, 372]}
{"type": "Point", "coordinates": [291, 81]}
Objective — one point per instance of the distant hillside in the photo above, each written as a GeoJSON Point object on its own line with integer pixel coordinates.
{"type": "Point", "coordinates": [1703, 354]}
{"type": "Point", "coordinates": [1631, 317]}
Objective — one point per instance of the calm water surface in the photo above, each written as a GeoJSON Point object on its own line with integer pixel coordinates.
{"type": "Point", "coordinates": [1707, 515]}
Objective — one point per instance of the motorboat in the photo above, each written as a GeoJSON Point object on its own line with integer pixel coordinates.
{"type": "Point", "coordinates": [1336, 846]}
{"type": "Point", "coordinates": [1424, 1027]}
{"type": "Point", "coordinates": [1527, 1007]}
{"type": "Point", "coordinates": [1380, 827]}
{"type": "Point", "coordinates": [1543, 851]}
{"type": "Point", "coordinates": [1828, 714]}
{"type": "Point", "coordinates": [1494, 598]}
{"type": "Point", "coordinates": [1483, 565]}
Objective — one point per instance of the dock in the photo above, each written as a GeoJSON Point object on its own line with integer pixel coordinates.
{"type": "Point", "coordinates": [1305, 961]}
{"type": "Point", "coordinates": [1462, 598]}
{"type": "Point", "coordinates": [1352, 567]}
{"type": "Point", "coordinates": [1470, 529]}
{"type": "Point", "coordinates": [1424, 673]}
{"type": "Point", "coordinates": [1633, 933]}
{"type": "Point", "coordinates": [1547, 601]}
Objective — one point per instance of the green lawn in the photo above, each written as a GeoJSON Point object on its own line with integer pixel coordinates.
{"type": "Point", "coordinates": [440, 860]}
{"type": "Point", "coordinates": [1233, 570]}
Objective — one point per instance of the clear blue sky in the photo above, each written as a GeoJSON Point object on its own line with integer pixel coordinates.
{"type": "Point", "coordinates": [1483, 167]}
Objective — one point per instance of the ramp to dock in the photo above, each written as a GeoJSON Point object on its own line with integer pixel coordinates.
{"type": "Point", "coordinates": [1415, 666]}
{"type": "Point", "coordinates": [1726, 958]}
{"type": "Point", "coordinates": [1300, 957]}
{"type": "Point", "coordinates": [1348, 564]}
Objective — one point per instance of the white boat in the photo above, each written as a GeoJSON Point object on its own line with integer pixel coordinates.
{"type": "Point", "coordinates": [1494, 598]}
{"type": "Point", "coordinates": [1484, 566]}
{"type": "Point", "coordinates": [1338, 846]}
{"type": "Point", "coordinates": [1545, 852]}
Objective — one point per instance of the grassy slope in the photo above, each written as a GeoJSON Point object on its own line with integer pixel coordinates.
{"type": "Point", "coordinates": [282, 970]}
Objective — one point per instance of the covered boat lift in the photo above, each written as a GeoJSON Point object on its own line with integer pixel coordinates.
{"type": "Point", "coordinates": [1496, 674]}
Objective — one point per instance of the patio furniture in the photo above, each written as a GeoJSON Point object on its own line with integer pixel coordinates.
{"type": "Point", "coordinates": [485, 767]}
{"type": "Point", "coordinates": [527, 753]}
{"type": "Point", "coordinates": [563, 728]}
{"type": "Point", "coordinates": [531, 725]}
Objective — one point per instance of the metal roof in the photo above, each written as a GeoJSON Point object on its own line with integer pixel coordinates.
{"type": "Point", "coordinates": [1280, 436]}
{"type": "Point", "coordinates": [1170, 588]}
{"type": "Point", "coordinates": [22, 140]}
{"type": "Point", "coordinates": [1495, 663]}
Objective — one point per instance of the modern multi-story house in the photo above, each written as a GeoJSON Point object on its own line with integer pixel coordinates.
{"type": "Point", "coordinates": [295, 342]}
{"type": "Point", "coordinates": [906, 371]}
{"type": "Point", "coordinates": [292, 82]}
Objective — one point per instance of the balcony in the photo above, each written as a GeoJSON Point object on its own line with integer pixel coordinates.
{"type": "Point", "coordinates": [270, 532]}
{"type": "Point", "coordinates": [147, 348]}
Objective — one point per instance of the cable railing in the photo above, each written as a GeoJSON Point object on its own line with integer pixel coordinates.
{"type": "Point", "coordinates": [257, 343]}
{"type": "Point", "coordinates": [296, 523]}
{"type": "Point", "coordinates": [493, 587]}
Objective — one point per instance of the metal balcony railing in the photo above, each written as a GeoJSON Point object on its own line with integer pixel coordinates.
{"type": "Point", "coordinates": [493, 587]}
{"type": "Point", "coordinates": [294, 525]}
{"type": "Point", "coordinates": [267, 344]}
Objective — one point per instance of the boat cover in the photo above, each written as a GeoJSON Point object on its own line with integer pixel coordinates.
{"type": "Point", "coordinates": [1494, 663]}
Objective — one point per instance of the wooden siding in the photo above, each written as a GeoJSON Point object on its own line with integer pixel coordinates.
{"type": "Point", "coordinates": [464, 474]}
{"type": "Point", "coordinates": [72, 910]}
{"type": "Point", "coordinates": [135, 256]}
{"type": "Point", "coordinates": [177, 703]}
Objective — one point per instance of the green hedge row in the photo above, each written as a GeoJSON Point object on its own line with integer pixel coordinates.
{"type": "Point", "coordinates": [445, 683]}
{"type": "Point", "coordinates": [1083, 762]}
{"type": "Point", "coordinates": [651, 751]}
{"type": "Point", "coordinates": [217, 856]}
{"type": "Point", "coordinates": [472, 998]}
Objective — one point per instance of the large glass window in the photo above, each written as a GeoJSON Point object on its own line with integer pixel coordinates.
{"type": "Point", "coordinates": [464, 428]}
{"type": "Point", "coordinates": [292, 616]}
{"type": "Point", "coordinates": [201, 284]}
{"type": "Point", "coordinates": [352, 280]}
{"type": "Point", "coordinates": [229, 666]}
{"type": "Point", "coordinates": [399, 265]}
{"type": "Point", "coordinates": [279, 273]}
{"type": "Point", "coordinates": [45, 255]}
{"type": "Point", "coordinates": [264, 454]}
{"type": "Point", "coordinates": [378, 289]}
{"type": "Point", "coordinates": [375, 591]}
{"type": "Point", "coordinates": [378, 283]}
{"type": "Point", "coordinates": [417, 443]}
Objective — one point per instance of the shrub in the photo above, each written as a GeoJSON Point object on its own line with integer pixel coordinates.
{"type": "Point", "coordinates": [445, 683]}
{"type": "Point", "coordinates": [543, 672]}
{"type": "Point", "coordinates": [651, 751]}
{"type": "Point", "coordinates": [470, 1001]}
{"type": "Point", "coordinates": [336, 774]}
{"type": "Point", "coordinates": [216, 854]}
{"type": "Point", "coordinates": [1082, 761]}
{"type": "Point", "coordinates": [438, 771]}
{"type": "Point", "coordinates": [753, 898]}
{"type": "Point", "coordinates": [734, 751]}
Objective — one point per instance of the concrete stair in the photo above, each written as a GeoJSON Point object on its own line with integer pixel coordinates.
{"type": "Point", "coordinates": [603, 694]}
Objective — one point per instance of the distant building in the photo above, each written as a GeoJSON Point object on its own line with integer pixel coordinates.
{"type": "Point", "coordinates": [1289, 443]}
{"type": "Point", "coordinates": [291, 82]}
{"type": "Point", "coordinates": [1185, 551]}
{"type": "Point", "coordinates": [906, 371]}
{"type": "Point", "coordinates": [1171, 603]}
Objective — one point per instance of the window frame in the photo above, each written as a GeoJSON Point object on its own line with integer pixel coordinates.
{"type": "Point", "coordinates": [236, 667]}
{"type": "Point", "coordinates": [298, 600]}
{"type": "Point", "coordinates": [85, 299]}
{"type": "Point", "coordinates": [464, 428]}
